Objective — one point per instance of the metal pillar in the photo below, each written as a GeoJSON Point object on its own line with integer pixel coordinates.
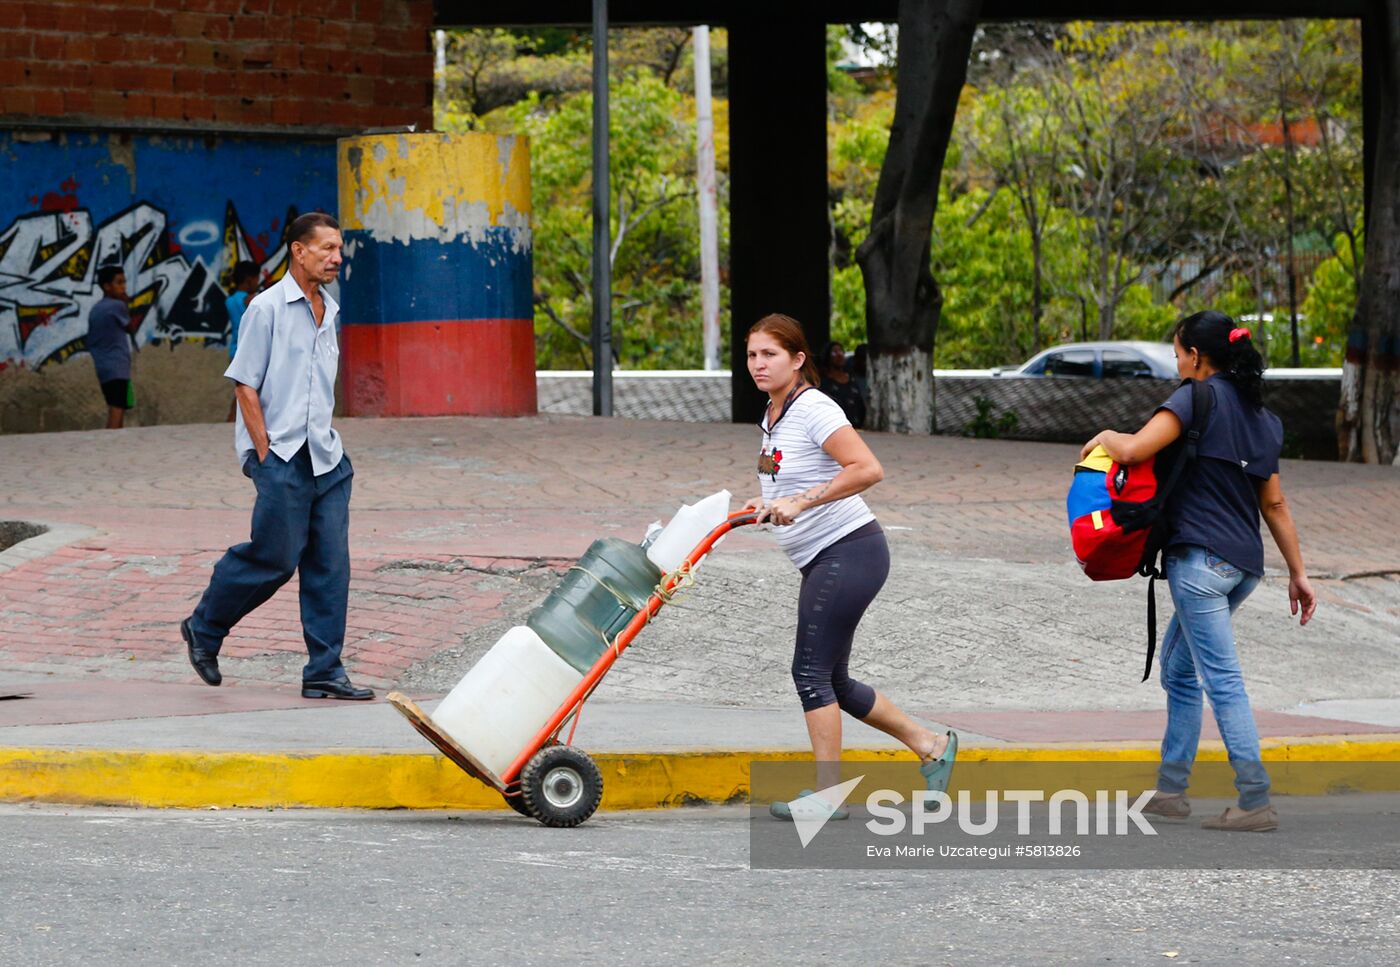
{"type": "Point", "coordinates": [705, 183]}
{"type": "Point", "coordinates": [602, 233]}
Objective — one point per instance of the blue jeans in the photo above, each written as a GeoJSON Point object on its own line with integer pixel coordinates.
{"type": "Point", "coordinates": [1199, 651]}
{"type": "Point", "coordinates": [301, 523]}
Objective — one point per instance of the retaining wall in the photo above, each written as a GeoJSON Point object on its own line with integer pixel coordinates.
{"type": "Point", "coordinates": [1072, 411]}
{"type": "Point", "coordinates": [1051, 410]}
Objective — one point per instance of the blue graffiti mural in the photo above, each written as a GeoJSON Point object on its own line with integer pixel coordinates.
{"type": "Point", "coordinates": [175, 212]}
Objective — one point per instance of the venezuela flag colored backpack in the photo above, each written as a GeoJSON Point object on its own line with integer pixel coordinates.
{"type": "Point", "coordinates": [1117, 513]}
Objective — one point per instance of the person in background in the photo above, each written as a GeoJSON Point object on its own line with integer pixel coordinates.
{"type": "Point", "coordinates": [109, 341]}
{"type": "Point", "coordinates": [840, 386]}
{"type": "Point", "coordinates": [246, 276]}
{"type": "Point", "coordinates": [858, 365]}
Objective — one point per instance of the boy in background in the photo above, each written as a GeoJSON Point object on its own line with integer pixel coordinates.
{"type": "Point", "coordinates": [245, 282]}
{"type": "Point", "coordinates": [109, 342]}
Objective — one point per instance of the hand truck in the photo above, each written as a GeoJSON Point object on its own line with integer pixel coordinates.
{"type": "Point", "coordinates": [549, 780]}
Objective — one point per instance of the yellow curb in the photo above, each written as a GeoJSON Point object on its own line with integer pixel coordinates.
{"type": "Point", "coordinates": [380, 780]}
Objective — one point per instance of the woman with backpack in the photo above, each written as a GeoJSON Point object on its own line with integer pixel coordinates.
{"type": "Point", "coordinates": [1214, 557]}
{"type": "Point", "coordinates": [812, 468]}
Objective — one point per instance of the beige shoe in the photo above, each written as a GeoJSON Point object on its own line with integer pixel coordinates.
{"type": "Point", "coordinates": [1168, 805]}
{"type": "Point", "coordinates": [1236, 820]}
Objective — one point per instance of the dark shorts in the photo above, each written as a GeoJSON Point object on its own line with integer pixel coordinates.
{"type": "Point", "coordinates": [117, 393]}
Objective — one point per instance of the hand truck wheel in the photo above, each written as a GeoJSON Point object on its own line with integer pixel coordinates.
{"type": "Point", "coordinates": [561, 786]}
{"type": "Point", "coordinates": [516, 801]}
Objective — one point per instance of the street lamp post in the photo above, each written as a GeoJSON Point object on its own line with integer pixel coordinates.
{"type": "Point", "coordinates": [602, 263]}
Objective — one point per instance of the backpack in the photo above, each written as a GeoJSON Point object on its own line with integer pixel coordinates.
{"type": "Point", "coordinates": [1117, 513]}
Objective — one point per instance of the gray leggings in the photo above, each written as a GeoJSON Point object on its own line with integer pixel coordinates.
{"type": "Point", "coordinates": [837, 586]}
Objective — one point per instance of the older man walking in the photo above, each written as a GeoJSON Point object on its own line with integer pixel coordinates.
{"type": "Point", "coordinates": [284, 381]}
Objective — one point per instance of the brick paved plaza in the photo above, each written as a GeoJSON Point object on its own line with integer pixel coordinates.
{"type": "Point", "coordinates": [459, 525]}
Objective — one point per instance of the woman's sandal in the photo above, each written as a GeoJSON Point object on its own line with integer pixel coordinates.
{"type": "Point", "coordinates": [783, 810]}
{"type": "Point", "coordinates": [937, 772]}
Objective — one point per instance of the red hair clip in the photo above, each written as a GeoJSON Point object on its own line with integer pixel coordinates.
{"type": "Point", "coordinates": [1238, 334]}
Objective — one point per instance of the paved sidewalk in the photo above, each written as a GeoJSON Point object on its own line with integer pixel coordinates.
{"type": "Point", "coordinates": [140, 715]}
{"type": "Point", "coordinates": [461, 526]}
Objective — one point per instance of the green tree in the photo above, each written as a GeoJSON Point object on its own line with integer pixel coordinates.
{"type": "Point", "coordinates": [902, 299]}
{"type": "Point", "coordinates": [1128, 174]}
{"type": "Point", "coordinates": [1278, 114]}
{"type": "Point", "coordinates": [653, 226]}
{"type": "Point", "coordinates": [1331, 305]}
{"type": "Point", "coordinates": [536, 82]}
{"type": "Point", "coordinates": [1014, 133]}
{"type": "Point", "coordinates": [858, 131]}
{"type": "Point", "coordinates": [488, 69]}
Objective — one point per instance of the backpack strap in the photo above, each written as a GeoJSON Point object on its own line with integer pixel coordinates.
{"type": "Point", "coordinates": [1200, 413]}
{"type": "Point", "coordinates": [1201, 403]}
{"type": "Point", "coordinates": [1151, 625]}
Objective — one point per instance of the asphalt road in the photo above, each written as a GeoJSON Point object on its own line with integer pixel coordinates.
{"type": "Point", "coordinates": [251, 887]}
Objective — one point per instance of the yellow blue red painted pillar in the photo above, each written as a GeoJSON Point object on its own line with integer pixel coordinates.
{"type": "Point", "coordinates": [436, 291]}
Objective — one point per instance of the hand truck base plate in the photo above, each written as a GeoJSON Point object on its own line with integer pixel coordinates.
{"type": "Point", "coordinates": [444, 742]}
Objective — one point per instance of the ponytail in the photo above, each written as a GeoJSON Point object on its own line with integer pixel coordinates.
{"type": "Point", "coordinates": [1230, 349]}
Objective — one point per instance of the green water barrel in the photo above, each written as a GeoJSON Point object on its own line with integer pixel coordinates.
{"type": "Point", "coordinates": [597, 598]}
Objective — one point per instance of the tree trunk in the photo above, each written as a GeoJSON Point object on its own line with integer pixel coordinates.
{"type": "Point", "coordinates": [1108, 312]}
{"type": "Point", "coordinates": [1369, 417]}
{"type": "Point", "coordinates": [1037, 293]}
{"type": "Point", "coordinates": [1105, 301]}
{"type": "Point", "coordinates": [902, 301]}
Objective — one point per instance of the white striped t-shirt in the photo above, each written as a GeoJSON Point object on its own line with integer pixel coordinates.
{"type": "Point", "coordinates": [792, 461]}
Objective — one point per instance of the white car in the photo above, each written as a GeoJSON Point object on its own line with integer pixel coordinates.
{"type": "Point", "coordinates": [1125, 359]}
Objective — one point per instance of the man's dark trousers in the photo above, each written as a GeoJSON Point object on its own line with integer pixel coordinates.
{"type": "Point", "coordinates": [301, 522]}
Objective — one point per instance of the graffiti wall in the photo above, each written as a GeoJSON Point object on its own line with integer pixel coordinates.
{"type": "Point", "coordinates": [176, 213]}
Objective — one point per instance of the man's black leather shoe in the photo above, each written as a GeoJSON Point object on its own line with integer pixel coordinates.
{"type": "Point", "coordinates": [206, 666]}
{"type": "Point", "coordinates": [340, 688]}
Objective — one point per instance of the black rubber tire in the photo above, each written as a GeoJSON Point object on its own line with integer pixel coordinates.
{"type": "Point", "coordinates": [513, 797]}
{"type": "Point", "coordinates": [517, 802]}
{"type": "Point", "coordinates": [561, 786]}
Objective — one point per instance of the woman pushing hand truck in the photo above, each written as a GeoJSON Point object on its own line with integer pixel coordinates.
{"type": "Point", "coordinates": [812, 468]}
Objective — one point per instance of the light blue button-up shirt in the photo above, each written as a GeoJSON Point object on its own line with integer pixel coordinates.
{"type": "Point", "coordinates": [291, 362]}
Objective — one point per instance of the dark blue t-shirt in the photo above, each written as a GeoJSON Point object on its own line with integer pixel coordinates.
{"type": "Point", "coordinates": [1216, 505]}
{"type": "Point", "coordinates": [108, 340]}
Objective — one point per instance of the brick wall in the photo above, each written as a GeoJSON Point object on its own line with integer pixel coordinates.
{"type": "Point", "coordinates": [217, 64]}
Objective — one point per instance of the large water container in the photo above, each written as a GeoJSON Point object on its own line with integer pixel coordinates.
{"type": "Point", "coordinates": [596, 599]}
{"type": "Point", "coordinates": [688, 528]}
{"type": "Point", "coordinates": [507, 696]}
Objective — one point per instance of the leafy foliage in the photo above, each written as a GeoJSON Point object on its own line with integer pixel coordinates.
{"type": "Point", "coordinates": [1330, 305]}
{"type": "Point", "coordinates": [987, 424]}
{"type": "Point", "coordinates": [653, 223]}
{"type": "Point", "coordinates": [1103, 180]}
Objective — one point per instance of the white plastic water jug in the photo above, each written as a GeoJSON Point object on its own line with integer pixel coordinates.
{"type": "Point", "coordinates": [685, 530]}
{"type": "Point", "coordinates": [507, 696]}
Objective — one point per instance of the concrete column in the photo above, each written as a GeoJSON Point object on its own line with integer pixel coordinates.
{"type": "Point", "coordinates": [779, 226]}
{"type": "Point", "coordinates": [436, 292]}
